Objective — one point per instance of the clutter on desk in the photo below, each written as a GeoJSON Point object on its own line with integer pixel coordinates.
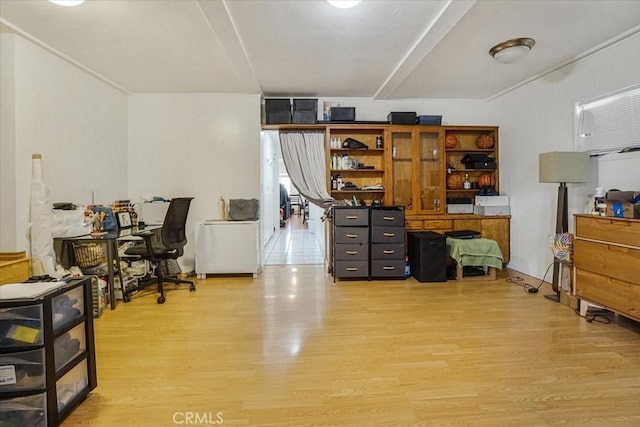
{"type": "Point", "coordinates": [623, 204]}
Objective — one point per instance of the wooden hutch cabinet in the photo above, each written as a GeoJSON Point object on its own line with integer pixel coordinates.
{"type": "Point", "coordinates": [412, 166]}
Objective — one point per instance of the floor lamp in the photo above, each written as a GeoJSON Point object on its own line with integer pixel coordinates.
{"type": "Point", "coordinates": [562, 167]}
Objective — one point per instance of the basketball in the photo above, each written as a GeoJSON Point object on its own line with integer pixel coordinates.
{"type": "Point", "coordinates": [454, 181]}
{"type": "Point", "coordinates": [484, 142]}
{"type": "Point", "coordinates": [451, 141]}
{"type": "Point", "coordinates": [486, 180]}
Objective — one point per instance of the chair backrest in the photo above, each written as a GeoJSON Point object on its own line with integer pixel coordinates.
{"type": "Point", "coordinates": [174, 235]}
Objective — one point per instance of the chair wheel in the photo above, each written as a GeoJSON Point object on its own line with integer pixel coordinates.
{"type": "Point", "coordinates": [161, 300]}
{"type": "Point", "coordinates": [192, 288]}
{"type": "Point", "coordinates": [126, 298]}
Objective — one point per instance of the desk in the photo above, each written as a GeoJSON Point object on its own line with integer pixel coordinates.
{"type": "Point", "coordinates": [475, 252]}
{"type": "Point", "coordinates": [110, 241]}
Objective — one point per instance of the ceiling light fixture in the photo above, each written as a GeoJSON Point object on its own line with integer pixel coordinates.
{"type": "Point", "coordinates": [512, 50]}
{"type": "Point", "coordinates": [343, 4]}
{"type": "Point", "coordinates": [67, 2]}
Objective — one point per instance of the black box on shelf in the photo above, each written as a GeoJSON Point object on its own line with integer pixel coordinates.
{"type": "Point", "coordinates": [277, 111]}
{"type": "Point", "coordinates": [402, 118]}
{"type": "Point", "coordinates": [429, 120]}
{"type": "Point", "coordinates": [306, 117]}
{"type": "Point", "coordinates": [278, 117]}
{"type": "Point", "coordinates": [346, 114]}
{"type": "Point", "coordinates": [305, 104]}
{"type": "Point", "coordinates": [277, 104]}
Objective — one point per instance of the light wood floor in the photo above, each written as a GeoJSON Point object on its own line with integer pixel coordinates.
{"type": "Point", "coordinates": [294, 349]}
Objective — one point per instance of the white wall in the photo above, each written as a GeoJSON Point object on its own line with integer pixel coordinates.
{"type": "Point", "coordinates": [269, 186]}
{"type": "Point", "coordinates": [78, 124]}
{"type": "Point", "coordinates": [539, 117]}
{"type": "Point", "coordinates": [8, 230]}
{"type": "Point", "coordinates": [202, 145]}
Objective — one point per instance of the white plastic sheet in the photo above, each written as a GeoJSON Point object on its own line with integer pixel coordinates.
{"type": "Point", "coordinates": [42, 253]}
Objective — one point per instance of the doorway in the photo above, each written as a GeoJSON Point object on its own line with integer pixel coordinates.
{"type": "Point", "coordinates": [297, 239]}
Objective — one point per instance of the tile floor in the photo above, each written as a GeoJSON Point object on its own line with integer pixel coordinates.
{"type": "Point", "coordinates": [293, 244]}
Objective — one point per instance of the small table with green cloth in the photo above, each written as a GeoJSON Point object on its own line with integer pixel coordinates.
{"type": "Point", "coordinates": [475, 252]}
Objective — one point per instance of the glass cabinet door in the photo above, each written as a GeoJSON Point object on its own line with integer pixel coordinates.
{"type": "Point", "coordinates": [402, 169]}
{"type": "Point", "coordinates": [430, 181]}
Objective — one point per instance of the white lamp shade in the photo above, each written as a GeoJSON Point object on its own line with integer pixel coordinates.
{"type": "Point", "coordinates": [564, 166]}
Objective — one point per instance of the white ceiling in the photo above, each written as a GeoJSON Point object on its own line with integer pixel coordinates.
{"type": "Point", "coordinates": [379, 49]}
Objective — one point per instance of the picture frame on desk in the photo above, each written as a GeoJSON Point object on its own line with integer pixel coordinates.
{"type": "Point", "coordinates": [124, 219]}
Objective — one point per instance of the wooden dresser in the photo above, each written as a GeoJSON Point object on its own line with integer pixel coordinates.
{"type": "Point", "coordinates": [606, 259]}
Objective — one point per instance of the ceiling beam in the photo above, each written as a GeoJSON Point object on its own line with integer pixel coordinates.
{"type": "Point", "coordinates": [435, 31]}
{"type": "Point", "coordinates": [224, 29]}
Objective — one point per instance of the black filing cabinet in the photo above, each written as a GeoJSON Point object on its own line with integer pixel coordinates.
{"type": "Point", "coordinates": [387, 242]}
{"type": "Point", "coordinates": [428, 256]}
{"type": "Point", "coordinates": [350, 242]}
{"type": "Point", "coordinates": [47, 356]}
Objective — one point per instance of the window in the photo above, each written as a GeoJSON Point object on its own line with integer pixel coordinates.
{"type": "Point", "coordinates": [610, 123]}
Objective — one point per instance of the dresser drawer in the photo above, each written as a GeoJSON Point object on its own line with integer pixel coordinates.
{"type": "Point", "coordinates": [387, 251]}
{"type": "Point", "coordinates": [387, 217]}
{"type": "Point", "coordinates": [351, 217]}
{"type": "Point", "coordinates": [352, 235]}
{"type": "Point", "coordinates": [390, 268]}
{"type": "Point", "coordinates": [438, 224]}
{"type": "Point", "coordinates": [351, 252]}
{"type": "Point", "coordinates": [387, 235]}
{"type": "Point", "coordinates": [618, 295]}
{"type": "Point", "coordinates": [612, 230]}
{"type": "Point", "coordinates": [618, 262]}
{"type": "Point", "coordinates": [413, 224]}
{"type": "Point", "coordinates": [351, 269]}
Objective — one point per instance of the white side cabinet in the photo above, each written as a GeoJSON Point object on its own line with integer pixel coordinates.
{"type": "Point", "coordinates": [227, 247]}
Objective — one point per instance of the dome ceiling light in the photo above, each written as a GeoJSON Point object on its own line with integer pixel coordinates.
{"type": "Point", "coordinates": [343, 4]}
{"type": "Point", "coordinates": [512, 50]}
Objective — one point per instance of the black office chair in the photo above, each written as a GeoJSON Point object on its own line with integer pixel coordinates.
{"type": "Point", "coordinates": [170, 246]}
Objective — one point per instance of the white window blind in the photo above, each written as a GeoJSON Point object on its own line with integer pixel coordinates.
{"type": "Point", "coordinates": [611, 123]}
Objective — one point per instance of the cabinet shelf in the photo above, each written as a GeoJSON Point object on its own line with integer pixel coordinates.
{"type": "Point", "coordinates": [472, 170]}
{"type": "Point", "coordinates": [355, 191]}
{"type": "Point", "coordinates": [357, 170]}
{"type": "Point", "coordinates": [471, 190]}
{"type": "Point", "coordinates": [358, 150]}
{"type": "Point", "coordinates": [470, 150]}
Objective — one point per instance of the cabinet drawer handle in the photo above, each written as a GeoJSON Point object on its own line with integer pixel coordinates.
{"type": "Point", "coordinates": [352, 252]}
{"type": "Point", "coordinates": [352, 216]}
{"type": "Point", "coordinates": [352, 268]}
{"type": "Point", "coordinates": [389, 218]}
{"type": "Point", "coordinates": [613, 248]}
{"type": "Point", "coordinates": [388, 268]}
{"type": "Point", "coordinates": [352, 236]}
{"type": "Point", "coordinates": [389, 234]}
{"type": "Point", "coordinates": [388, 251]}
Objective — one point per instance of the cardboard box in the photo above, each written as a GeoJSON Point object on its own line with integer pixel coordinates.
{"type": "Point", "coordinates": [492, 200]}
{"type": "Point", "coordinates": [454, 209]}
{"type": "Point", "coordinates": [620, 209]}
{"type": "Point", "coordinates": [491, 210]}
{"type": "Point", "coordinates": [14, 267]}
